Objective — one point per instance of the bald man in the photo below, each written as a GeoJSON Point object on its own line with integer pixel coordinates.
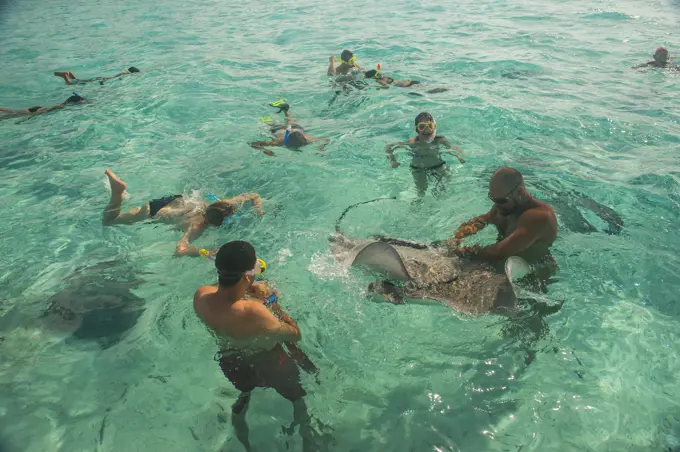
{"type": "Point", "coordinates": [526, 227]}
{"type": "Point", "coordinates": [661, 60]}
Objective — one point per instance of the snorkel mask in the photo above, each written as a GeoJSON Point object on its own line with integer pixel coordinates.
{"type": "Point", "coordinates": [429, 127]}
{"type": "Point", "coordinates": [259, 269]}
{"type": "Point", "coordinates": [349, 63]}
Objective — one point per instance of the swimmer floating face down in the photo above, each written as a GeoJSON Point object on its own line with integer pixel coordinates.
{"type": "Point", "coordinates": [218, 212]}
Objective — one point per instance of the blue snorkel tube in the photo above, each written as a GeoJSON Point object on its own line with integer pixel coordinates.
{"type": "Point", "coordinates": [214, 198]}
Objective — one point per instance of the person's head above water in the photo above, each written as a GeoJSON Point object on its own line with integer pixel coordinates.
{"type": "Point", "coordinates": [506, 190]}
{"type": "Point", "coordinates": [348, 57]}
{"type": "Point", "coordinates": [237, 265]}
{"type": "Point", "coordinates": [377, 75]}
{"type": "Point", "coordinates": [217, 212]}
{"type": "Point", "coordinates": [75, 99]}
{"type": "Point", "coordinates": [661, 55]}
{"type": "Point", "coordinates": [296, 139]}
{"type": "Point", "coordinates": [426, 127]}
{"type": "Point", "coordinates": [133, 69]}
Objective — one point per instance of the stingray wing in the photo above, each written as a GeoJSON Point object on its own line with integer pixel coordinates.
{"type": "Point", "coordinates": [383, 258]}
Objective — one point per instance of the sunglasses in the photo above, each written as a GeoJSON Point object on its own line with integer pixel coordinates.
{"type": "Point", "coordinates": [505, 198]}
{"type": "Point", "coordinates": [426, 127]}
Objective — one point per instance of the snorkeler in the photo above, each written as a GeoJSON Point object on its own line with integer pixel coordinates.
{"type": "Point", "coordinates": [71, 79]}
{"type": "Point", "coordinates": [348, 63]}
{"type": "Point", "coordinates": [251, 331]}
{"type": "Point", "coordinates": [427, 161]}
{"type": "Point", "coordinates": [290, 134]}
{"type": "Point", "coordinates": [384, 81]}
{"type": "Point", "coordinates": [6, 113]}
{"type": "Point", "coordinates": [191, 216]}
{"type": "Point", "coordinates": [661, 60]}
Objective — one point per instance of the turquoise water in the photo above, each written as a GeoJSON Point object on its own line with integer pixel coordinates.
{"type": "Point", "coordinates": [542, 86]}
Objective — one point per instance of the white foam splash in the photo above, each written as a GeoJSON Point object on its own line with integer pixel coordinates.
{"type": "Point", "coordinates": [324, 266]}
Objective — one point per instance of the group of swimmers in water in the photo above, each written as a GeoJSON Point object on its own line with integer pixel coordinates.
{"type": "Point", "coordinates": [256, 338]}
{"type": "Point", "coordinates": [75, 99]}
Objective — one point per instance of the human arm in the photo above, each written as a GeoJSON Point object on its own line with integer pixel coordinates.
{"type": "Point", "coordinates": [259, 145]}
{"type": "Point", "coordinates": [245, 197]}
{"type": "Point", "coordinates": [184, 247]}
{"type": "Point", "coordinates": [451, 148]}
{"type": "Point", "coordinates": [389, 149]}
{"type": "Point", "coordinates": [43, 110]}
{"type": "Point", "coordinates": [323, 142]}
{"type": "Point", "coordinates": [469, 228]}
{"type": "Point", "coordinates": [529, 229]}
{"type": "Point", "coordinates": [331, 67]}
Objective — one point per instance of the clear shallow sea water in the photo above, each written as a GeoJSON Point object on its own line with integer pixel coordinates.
{"type": "Point", "coordinates": [541, 86]}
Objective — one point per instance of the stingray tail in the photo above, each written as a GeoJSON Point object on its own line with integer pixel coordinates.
{"type": "Point", "coordinates": [344, 212]}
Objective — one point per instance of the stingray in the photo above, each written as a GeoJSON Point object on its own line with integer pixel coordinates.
{"type": "Point", "coordinates": [97, 305]}
{"type": "Point", "coordinates": [428, 274]}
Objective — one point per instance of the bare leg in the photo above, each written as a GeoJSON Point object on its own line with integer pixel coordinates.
{"type": "Point", "coordinates": [420, 178]}
{"type": "Point", "coordinates": [442, 177]}
{"type": "Point", "coordinates": [301, 417]}
{"type": "Point", "coordinates": [290, 120]}
{"type": "Point", "coordinates": [68, 77]}
{"type": "Point", "coordinates": [238, 419]}
{"type": "Point", "coordinates": [112, 213]}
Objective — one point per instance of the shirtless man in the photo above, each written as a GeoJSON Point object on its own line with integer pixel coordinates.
{"type": "Point", "coordinates": [661, 60]}
{"type": "Point", "coordinates": [71, 79]}
{"type": "Point", "coordinates": [526, 227]}
{"type": "Point", "coordinates": [290, 134]}
{"type": "Point", "coordinates": [427, 161]}
{"type": "Point", "coordinates": [6, 113]}
{"type": "Point", "coordinates": [249, 326]}
{"type": "Point", "coordinates": [190, 216]}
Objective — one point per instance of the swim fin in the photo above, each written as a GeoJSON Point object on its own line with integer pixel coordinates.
{"type": "Point", "coordinates": [280, 104]}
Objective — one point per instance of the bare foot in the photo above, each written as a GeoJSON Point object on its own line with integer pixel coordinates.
{"type": "Point", "coordinates": [117, 185]}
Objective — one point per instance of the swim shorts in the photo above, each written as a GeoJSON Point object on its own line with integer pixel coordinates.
{"type": "Point", "coordinates": [268, 369]}
{"type": "Point", "coordinates": [155, 205]}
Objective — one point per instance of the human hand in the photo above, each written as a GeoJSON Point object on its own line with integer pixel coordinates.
{"type": "Point", "coordinates": [259, 212]}
{"type": "Point", "coordinates": [268, 152]}
{"type": "Point", "coordinates": [395, 164]}
{"type": "Point", "coordinates": [332, 59]}
{"type": "Point", "coordinates": [468, 251]}
{"type": "Point", "coordinates": [465, 231]}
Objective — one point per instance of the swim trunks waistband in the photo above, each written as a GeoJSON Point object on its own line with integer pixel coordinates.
{"type": "Point", "coordinates": [438, 165]}
{"type": "Point", "coordinates": [155, 205]}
